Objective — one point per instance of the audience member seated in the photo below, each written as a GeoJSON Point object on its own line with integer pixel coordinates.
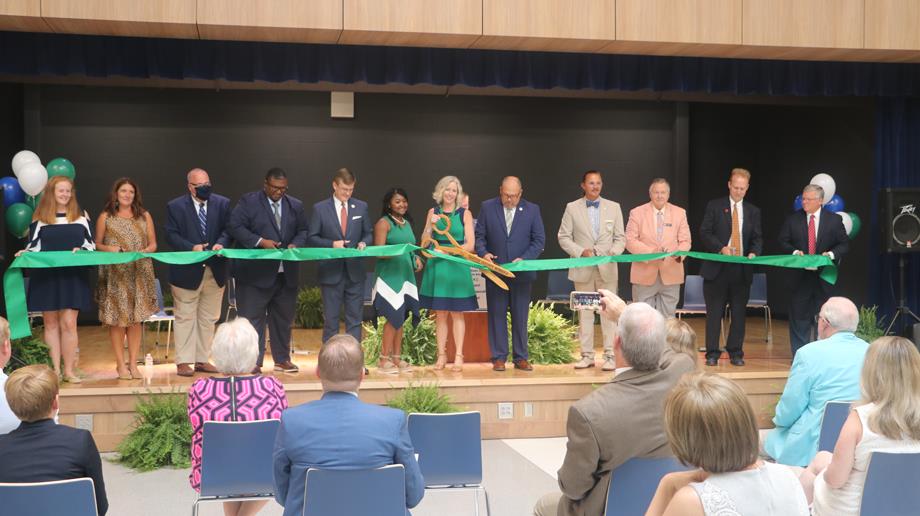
{"type": "Point", "coordinates": [340, 431]}
{"type": "Point", "coordinates": [887, 420]}
{"type": "Point", "coordinates": [824, 370]}
{"type": "Point", "coordinates": [234, 397]}
{"type": "Point", "coordinates": [8, 420]}
{"type": "Point", "coordinates": [40, 450]}
{"type": "Point", "coordinates": [620, 420]}
{"type": "Point", "coordinates": [711, 426]}
{"type": "Point", "coordinates": [681, 338]}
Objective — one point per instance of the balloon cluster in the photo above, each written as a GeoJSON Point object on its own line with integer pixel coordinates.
{"type": "Point", "coordinates": [22, 192]}
{"type": "Point", "coordinates": [851, 221]}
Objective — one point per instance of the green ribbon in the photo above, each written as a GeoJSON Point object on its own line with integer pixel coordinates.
{"type": "Point", "coordinates": [17, 311]}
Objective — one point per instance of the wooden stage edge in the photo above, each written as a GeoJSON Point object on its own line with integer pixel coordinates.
{"type": "Point", "coordinates": [540, 399]}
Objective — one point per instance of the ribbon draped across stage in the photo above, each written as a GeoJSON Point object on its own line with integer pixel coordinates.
{"type": "Point", "coordinates": [17, 312]}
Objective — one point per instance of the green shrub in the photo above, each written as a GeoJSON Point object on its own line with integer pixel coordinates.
{"type": "Point", "coordinates": [162, 435]}
{"type": "Point", "coordinates": [309, 308]}
{"type": "Point", "coordinates": [870, 326]}
{"type": "Point", "coordinates": [424, 398]}
{"type": "Point", "coordinates": [28, 351]}
{"type": "Point", "coordinates": [550, 336]}
{"type": "Point", "coordinates": [419, 344]}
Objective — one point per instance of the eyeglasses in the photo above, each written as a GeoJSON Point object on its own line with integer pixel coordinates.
{"type": "Point", "coordinates": [274, 188]}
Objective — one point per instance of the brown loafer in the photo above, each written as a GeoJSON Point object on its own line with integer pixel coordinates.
{"type": "Point", "coordinates": [523, 365]}
{"type": "Point", "coordinates": [498, 365]}
{"type": "Point", "coordinates": [184, 370]}
{"type": "Point", "coordinates": [287, 367]}
{"type": "Point", "coordinates": [205, 367]}
{"type": "Point", "coordinates": [257, 370]}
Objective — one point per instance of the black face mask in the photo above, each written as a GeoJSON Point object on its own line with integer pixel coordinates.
{"type": "Point", "coordinates": [203, 192]}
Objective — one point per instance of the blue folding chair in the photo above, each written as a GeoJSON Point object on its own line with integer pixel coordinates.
{"type": "Point", "coordinates": [75, 497]}
{"type": "Point", "coordinates": [164, 314]}
{"type": "Point", "coordinates": [231, 472]}
{"type": "Point", "coordinates": [357, 492]}
{"type": "Point", "coordinates": [449, 448]}
{"type": "Point", "coordinates": [891, 485]}
{"type": "Point", "coordinates": [558, 287]}
{"type": "Point", "coordinates": [694, 303]}
{"type": "Point", "coordinates": [633, 484]}
{"type": "Point", "coordinates": [758, 299]}
{"type": "Point", "coordinates": [835, 415]}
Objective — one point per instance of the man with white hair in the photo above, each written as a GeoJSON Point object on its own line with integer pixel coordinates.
{"type": "Point", "coordinates": [825, 370]}
{"type": "Point", "coordinates": [620, 420]}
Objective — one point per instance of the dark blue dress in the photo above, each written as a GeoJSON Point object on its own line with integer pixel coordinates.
{"type": "Point", "coordinates": [66, 287]}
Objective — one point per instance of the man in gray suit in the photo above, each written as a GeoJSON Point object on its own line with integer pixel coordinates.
{"type": "Point", "coordinates": [620, 420]}
{"type": "Point", "coordinates": [593, 226]}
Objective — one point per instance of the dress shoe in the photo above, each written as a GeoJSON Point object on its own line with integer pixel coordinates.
{"type": "Point", "coordinates": [256, 370]}
{"type": "Point", "coordinates": [287, 367]}
{"type": "Point", "coordinates": [498, 365]}
{"type": "Point", "coordinates": [712, 361]}
{"type": "Point", "coordinates": [523, 365]}
{"type": "Point", "coordinates": [609, 364]}
{"type": "Point", "coordinates": [585, 362]}
{"type": "Point", "coordinates": [184, 370]}
{"type": "Point", "coordinates": [737, 361]}
{"type": "Point", "coordinates": [205, 367]}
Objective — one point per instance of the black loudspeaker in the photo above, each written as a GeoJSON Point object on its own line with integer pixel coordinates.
{"type": "Point", "coordinates": [900, 219]}
{"type": "Point", "coordinates": [914, 334]}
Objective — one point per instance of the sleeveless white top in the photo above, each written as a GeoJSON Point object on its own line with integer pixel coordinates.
{"type": "Point", "coordinates": [771, 489]}
{"type": "Point", "coordinates": [846, 500]}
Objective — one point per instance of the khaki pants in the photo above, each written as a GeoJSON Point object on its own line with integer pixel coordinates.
{"type": "Point", "coordinates": [197, 311]}
{"type": "Point", "coordinates": [586, 318]}
{"type": "Point", "coordinates": [661, 297]}
{"type": "Point", "coordinates": [548, 504]}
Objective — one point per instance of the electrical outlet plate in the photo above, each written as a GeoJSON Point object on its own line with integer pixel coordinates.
{"type": "Point", "coordinates": [506, 410]}
{"type": "Point", "coordinates": [528, 409]}
{"type": "Point", "coordinates": [84, 421]}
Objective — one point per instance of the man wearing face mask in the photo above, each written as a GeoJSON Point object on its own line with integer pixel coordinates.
{"type": "Point", "coordinates": [196, 221]}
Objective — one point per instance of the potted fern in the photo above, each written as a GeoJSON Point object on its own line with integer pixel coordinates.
{"type": "Point", "coordinates": [162, 434]}
{"type": "Point", "coordinates": [422, 398]}
{"type": "Point", "coordinates": [419, 345]}
{"type": "Point", "coordinates": [550, 336]}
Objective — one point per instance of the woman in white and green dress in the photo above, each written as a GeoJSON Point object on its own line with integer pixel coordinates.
{"type": "Point", "coordinates": [397, 294]}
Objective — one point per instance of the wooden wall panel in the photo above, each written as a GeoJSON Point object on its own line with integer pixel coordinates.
{"type": "Point", "coordinates": [803, 23]}
{"type": "Point", "coordinates": [679, 21]}
{"type": "Point", "coordinates": [316, 21]}
{"type": "Point", "coordinates": [151, 18]}
{"type": "Point", "coordinates": [893, 24]}
{"type": "Point", "coordinates": [435, 23]}
{"type": "Point", "coordinates": [22, 15]}
{"type": "Point", "coordinates": [558, 25]}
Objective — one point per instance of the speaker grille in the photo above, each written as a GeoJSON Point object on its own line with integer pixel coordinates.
{"type": "Point", "coordinates": [905, 227]}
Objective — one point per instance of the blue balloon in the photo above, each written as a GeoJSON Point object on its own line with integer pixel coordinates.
{"type": "Point", "coordinates": [12, 193]}
{"type": "Point", "coordinates": [835, 204]}
{"type": "Point", "coordinates": [797, 203]}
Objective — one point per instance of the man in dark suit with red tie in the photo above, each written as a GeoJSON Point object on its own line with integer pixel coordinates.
{"type": "Point", "coordinates": [811, 230]}
{"type": "Point", "coordinates": [731, 226]}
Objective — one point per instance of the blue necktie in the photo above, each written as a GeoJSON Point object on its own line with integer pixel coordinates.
{"type": "Point", "coordinates": [593, 204]}
{"type": "Point", "coordinates": [203, 219]}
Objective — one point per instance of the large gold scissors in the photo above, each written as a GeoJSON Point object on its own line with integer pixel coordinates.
{"type": "Point", "coordinates": [455, 249]}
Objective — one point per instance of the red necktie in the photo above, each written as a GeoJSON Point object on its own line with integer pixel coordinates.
{"type": "Point", "coordinates": [343, 219]}
{"type": "Point", "coordinates": [812, 241]}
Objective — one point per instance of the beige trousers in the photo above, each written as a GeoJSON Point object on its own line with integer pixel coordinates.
{"type": "Point", "coordinates": [548, 504]}
{"type": "Point", "coordinates": [586, 318]}
{"type": "Point", "coordinates": [662, 297]}
{"type": "Point", "coordinates": [197, 311]}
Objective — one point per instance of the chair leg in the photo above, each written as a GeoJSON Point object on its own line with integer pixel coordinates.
{"type": "Point", "coordinates": [169, 325]}
{"type": "Point", "coordinates": [195, 508]}
{"type": "Point", "coordinates": [769, 315]}
{"type": "Point", "coordinates": [488, 506]}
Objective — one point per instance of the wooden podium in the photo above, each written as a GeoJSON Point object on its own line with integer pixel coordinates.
{"type": "Point", "coordinates": [475, 340]}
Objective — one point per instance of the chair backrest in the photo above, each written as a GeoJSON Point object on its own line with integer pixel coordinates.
{"type": "Point", "coordinates": [236, 457]}
{"type": "Point", "coordinates": [231, 291]}
{"type": "Point", "coordinates": [449, 447]}
{"type": "Point", "coordinates": [633, 484]}
{"type": "Point", "coordinates": [370, 279]}
{"type": "Point", "coordinates": [75, 497]}
{"type": "Point", "coordinates": [891, 485]}
{"type": "Point", "coordinates": [835, 415]}
{"type": "Point", "coordinates": [357, 492]}
{"type": "Point", "coordinates": [693, 293]}
{"type": "Point", "coordinates": [758, 295]}
{"type": "Point", "coordinates": [558, 285]}
{"type": "Point", "coordinates": [160, 301]}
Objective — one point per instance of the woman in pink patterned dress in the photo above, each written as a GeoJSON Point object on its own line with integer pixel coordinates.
{"type": "Point", "coordinates": [256, 397]}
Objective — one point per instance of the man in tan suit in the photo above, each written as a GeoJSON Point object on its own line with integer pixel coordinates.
{"type": "Point", "coordinates": [622, 419]}
{"type": "Point", "coordinates": [593, 226]}
{"type": "Point", "coordinates": [658, 227]}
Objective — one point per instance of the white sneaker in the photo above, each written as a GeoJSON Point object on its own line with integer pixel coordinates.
{"type": "Point", "coordinates": [609, 364]}
{"type": "Point", "coordinates": [585, 362]}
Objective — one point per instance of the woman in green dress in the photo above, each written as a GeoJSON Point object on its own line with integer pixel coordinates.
{"type": "Point", "coordinates": [397, 295]}
{"type": "Point", "coordinates": [447, 287]}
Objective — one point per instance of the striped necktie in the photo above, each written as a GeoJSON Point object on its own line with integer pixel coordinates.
{"type": "Point", "coordinates": [203, 219]}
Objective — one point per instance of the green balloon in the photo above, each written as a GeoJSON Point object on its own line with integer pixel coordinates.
{"type": "Point", "coordinates": [32, 202]}
{"type": "Point", "coordinates": [857, 223]}
{"type": "Point", "coordinates": [61, 167]}
{"type": "Point", "coordinates": [18, 218]}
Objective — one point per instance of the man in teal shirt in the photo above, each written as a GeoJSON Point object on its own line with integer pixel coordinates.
{"type": "Point", "coordinates": [824, 370]}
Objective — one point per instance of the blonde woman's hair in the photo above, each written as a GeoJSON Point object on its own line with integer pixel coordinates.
{"type": "Point", "coordinates": [443, 183]}
{"type": "Point", "coordinates": [891, 380]}
{"type": "Point", "coordinates": [710, 424]}
{"type": "Point", "coordinates": [46, 211]}
{"type": "Point", "coordinates": [681, 337]}
{"type": "Point", "coordinates": [30, 392]}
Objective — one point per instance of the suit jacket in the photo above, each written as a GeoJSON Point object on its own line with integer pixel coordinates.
{"type": "Point", "coordinates": [832, 236]}
{"type": "Point", "coordinates": [641, 238]}
{"type": "Point", "coordinates": [325, 228]}
{"type": "Point", "coordinates": [43, 451]}
{"type": "Point", "coordinates": [575, 235]}
{"type": "Point", "coordinates": [605, 429]}
{"type": "Point", "coordinates": [526, 241]}
{"type": "Point", "coordinates": [340, 431]}
{"type": "Point", "coordinates": [825, 370]}
{"type": "Point", "coordinates": [251, 220]}
{"type": "Point", "coordinates": [183, 232]}
{"type": "Point", "coordinates": [716, 231]}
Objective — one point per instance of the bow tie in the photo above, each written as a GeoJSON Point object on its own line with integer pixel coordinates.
{"type": "Point", "coordinates": [593, 204]}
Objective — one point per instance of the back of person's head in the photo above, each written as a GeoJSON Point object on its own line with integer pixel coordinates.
{"type": "Point", "coordinates": [5, 350]}
{"type": "Point", "coordinates": [891, 380]}
{"type": "Point", "coordinates": [840, 313]}
{"type": "Point", "coordinates": [235, 348]}
{"type": "Point", "coordinates": [642, 336]}
{"type": "Point", "coordinates": [681, 337]}
{"type": "Point", "coordinates": [31, 391]}
{"type": "Point", "coordinates": [341, 364]}
{"type": "Point", "coordinates": [710, 424]}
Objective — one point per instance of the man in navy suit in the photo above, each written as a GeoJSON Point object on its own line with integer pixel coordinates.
{"type": "Point", "coordinates": [197, 222]}
{"type": "Point", "coordinates": [811, 230]}
{"type": "Point", "coordinates": [509, 229]}
{"type": "Point", "coordinates": [266, 290]}
{"type": "Point", "coordinates": [731, 226]}
{"type": "Point", "coordinates": [340, 431]}
{"type": "Point", "coordinates": [341, 222]}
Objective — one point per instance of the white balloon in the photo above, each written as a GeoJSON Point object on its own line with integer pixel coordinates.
{"type": "Point", "coordinates": [847, 221]}
{"type": "Point", "coordinates": [826, 182]}
{"type": "Point", "coordinates": [21, 158]}
{"type": "Point", "coordinates": [32, 178]}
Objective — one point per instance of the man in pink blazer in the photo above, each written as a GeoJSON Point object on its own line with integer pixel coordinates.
{"type": "Point", "coordinates": [658, 227]}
